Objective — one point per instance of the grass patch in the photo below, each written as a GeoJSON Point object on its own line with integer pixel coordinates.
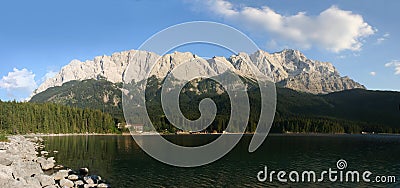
{"type": "Point", "coordinates": [3, 137]}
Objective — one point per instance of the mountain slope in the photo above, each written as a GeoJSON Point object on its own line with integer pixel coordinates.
{"type": "Point", "coordinates": [356, 110]}
{"type": "Point", "coordinates": [95, 94]}
{"type": "Point", "coordinates": [288, 68]}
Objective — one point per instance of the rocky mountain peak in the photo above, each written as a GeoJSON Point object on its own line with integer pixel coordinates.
{"type": "Point", "coordinates": [288, 68]}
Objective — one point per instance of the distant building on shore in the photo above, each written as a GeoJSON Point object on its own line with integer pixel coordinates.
{"type": "Point", "coordinates": [135, 127]}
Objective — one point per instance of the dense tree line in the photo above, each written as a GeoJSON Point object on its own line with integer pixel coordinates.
{"type": "Point", "coordinates": [296, 112]}
{"type": "Point", "coordinates": [289, 125]}
{"type": "Point", "coordinates": [22, 118]}
{"type": "Point", "coordinates": [352, 111]}
{"type": "Point", "coordinates": [327, 125]}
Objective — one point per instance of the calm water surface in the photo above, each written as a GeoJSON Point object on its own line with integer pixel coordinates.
{"type": "Point", "coordinates": [119, 160]}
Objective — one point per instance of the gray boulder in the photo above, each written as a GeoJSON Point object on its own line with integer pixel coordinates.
{"type": "Point", "coordinates": [33, 182]}
{"type": "Point", "coordinates": [66, 183]}
{"type": "Point", "coordinates": [61, 174]}
{"type": "Point", "coordinates": [5, 161]}
{"type": "Point", "coordinates": [88, 180]}
{"type": "Point", "coordinates": [23, 169]}
{"type": "Point", "coordinates": [4, 145]}
{"type": "Point", "coordinates": [6, 172]}
{"type": "Point", "coordinates": [103, 185]}
{"type": "Point", "coordinates": [73, 177]}
{"type": "Point", "coordinates": [79, 183]}
{"type": "Point", "coordinates": [45, 180]}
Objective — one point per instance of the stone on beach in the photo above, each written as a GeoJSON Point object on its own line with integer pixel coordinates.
{"type": "Point", "coordinates": [20, 167]}
{"type": "Point", "coordinates": [4, 145]}
{"type": "Point", "coordinates": [61, 174]}
{"type": "Point", "coordinates": [73, 177]}
{"type": "Point", "coordinates": [103, 185]}
{"type": "Point", "coordinates": [33, 182]}
{"type": "Point", "coordinates": [23, 169]}
{"type": "Point", "coordinates": [5, 161]}
{"type": "Point", "coordinates": [88, 180]}
{"type": "Point", "coordinates": [6, 172]}
{"type": "Point", "coordinates": [52, 186]}
{"type": "Point", "coordinates": [46, 164]}
{"type": "Point", "coordinates": [83, 171]}
{"type": "Point", "coordinates": [66, 183]}
{"type": "Point", "coordinates": [89, 185]}
{"type": "Point", "coordinates": [79, 183]}
{"type": "Point", "coordinates": [45, 180]}
{"type": "Point", "coordinates": [58, 167]}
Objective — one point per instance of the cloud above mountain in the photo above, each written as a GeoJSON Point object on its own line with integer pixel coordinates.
{"type": "Point", "coordinates": [396, 65]}
{"type": "Point", "coordinates": [333, 29]}
{"type": "Point", "coordinates": [18, 81]}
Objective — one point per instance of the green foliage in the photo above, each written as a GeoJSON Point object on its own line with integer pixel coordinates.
{"type": "Point", "coordinates": [3, 137]}
{"type": "Point", "coordinates": [354, 110]}
{"type": "Point", "coordinates": [22, 118]}
{"type": "Point", "coordinates": [94, 94]}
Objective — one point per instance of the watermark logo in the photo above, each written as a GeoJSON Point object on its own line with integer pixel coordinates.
{"type": "Point", "coordinates": [331, 175]}
{"type": "Point", "coordinates": [147, 61]}
{"type": "Point", "coordinates": [341, 164]}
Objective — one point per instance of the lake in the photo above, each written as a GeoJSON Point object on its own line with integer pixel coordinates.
{"type": "Point", "coordinates": [120, 161]}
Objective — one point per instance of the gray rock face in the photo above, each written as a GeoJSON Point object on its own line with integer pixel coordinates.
{"type": "Point", "coordinates": [317, 83]}
{"type": "Point", "coordinates": [288, 68]}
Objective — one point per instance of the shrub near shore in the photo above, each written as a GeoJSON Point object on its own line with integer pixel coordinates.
{"type": "Point", "coordinates": [3, 138]}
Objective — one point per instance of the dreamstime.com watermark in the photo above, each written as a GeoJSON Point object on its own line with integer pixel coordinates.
{"type": "Point", "coordinates": [338, 174]}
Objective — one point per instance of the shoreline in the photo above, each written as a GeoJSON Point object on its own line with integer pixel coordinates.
{"type": "Point", "coordinates": [25, 163]}
{"type": "Point", "coordinates": [163, 134]}
{"type": "Point", "coordinates": [72, 134]}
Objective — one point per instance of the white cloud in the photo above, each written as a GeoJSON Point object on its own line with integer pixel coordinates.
{"type": "Point", "coordinates": [19, 82]}
{"type": "Point", "coordinates": [341, 57]}
{"type": "Point", "coordinates": [333, 29]}
{"type": "Point", "coordinates": [386, 35]}
{"type": "Point", "coordinates": [380, 40]}
{"type": "Point", "coordinates": [372, 73]}
{"type": "Point", "coordinates": [383, 38]}
{"type": "Point", "coordinates": [395, 64]}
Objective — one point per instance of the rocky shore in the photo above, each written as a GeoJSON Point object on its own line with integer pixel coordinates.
{"type": "Point", "coordinates": [21, 166]}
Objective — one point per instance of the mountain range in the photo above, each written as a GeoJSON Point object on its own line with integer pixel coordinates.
{"type": "Point", "coordinates": [288, 69]}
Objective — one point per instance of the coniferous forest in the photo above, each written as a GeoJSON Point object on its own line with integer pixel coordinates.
{"type": "Point", "coordinates": [58, 111]}
{"type": "Point", "coordinates": [23, 118]}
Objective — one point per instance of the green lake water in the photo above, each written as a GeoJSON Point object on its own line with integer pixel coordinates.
{"type": "Point", "coordinates": [120, 161]}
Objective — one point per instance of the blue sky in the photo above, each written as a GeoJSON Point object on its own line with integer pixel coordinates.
{"type": "Point", "coordinates": [39, 37]}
